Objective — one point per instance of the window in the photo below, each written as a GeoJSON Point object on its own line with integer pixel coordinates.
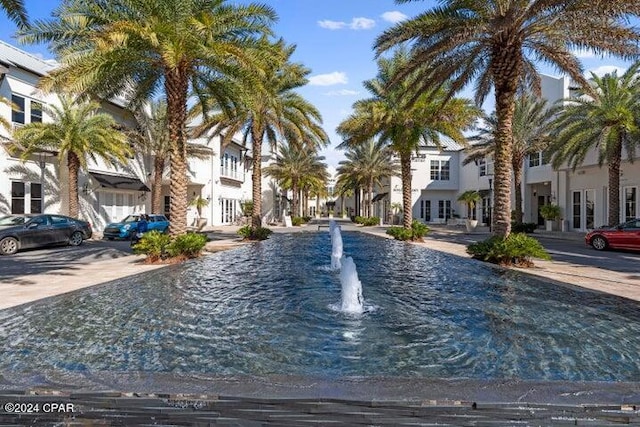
{"type": "Point", "coordinates": [17, 197]}
{"type": "Point", "coordinates": [540, 158]}
{"type": "Point", "coordinates": [440, 170]}
{"type": "Point", "coordinates": [36, 198]}
{"type": "Point", "coordinates": [534, 160]}
{"type": "Point", "coordinates": [58, 220]}
{"type": "Point", "coordinates": [425, 210]}
{"type": "Point", "coordinates": [444, 209]}
{"type": "Point", "coordinates": [630, 197]}
{"type": "Point", "coordinates": [435, 170]}
{"type": "Point", "coordinates": [167, 204]}
{"type": "Point", "coordinates": [482, 167]}
{"type": "Point", "coordinates": [17, 110]}
{"type": "Point", "coordinates": [36, 112]}
{"type": "Point", "coordinates": [577, 215]}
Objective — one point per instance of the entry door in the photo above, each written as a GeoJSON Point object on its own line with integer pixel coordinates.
{"type": "Point", "coordinates": [542, 200]}
{"type": "Point", "coordinates": [583, 204]}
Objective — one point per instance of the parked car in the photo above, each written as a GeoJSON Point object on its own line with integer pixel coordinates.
{"type": "Point", "coordinates": [622, 236]}
{"type": "Point", "coordinates": [30, 231]}
{"type": "Point", "coordinates": [128, 226]}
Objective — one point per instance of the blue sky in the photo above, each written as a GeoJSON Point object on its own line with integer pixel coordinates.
{"type": "Point", "coordinates": [334, 39]}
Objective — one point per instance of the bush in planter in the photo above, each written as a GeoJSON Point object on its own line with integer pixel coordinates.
{"type": "Point", "coordinates": [153, 244]}
{"type": "Point", "coordinates": [188, 245]}
{"type": "Point", "coordinates": [550, 212]}
{"type": "Point", "coordinates": [296, 220]}
{"type": "Point", "coordinates": [415, 233]}
{"type": "Point", "coordinates": [250, 233]}
{"type": "Point", "coordinates": [470, 198]}
{"type": "Point", "coordinates": [517, 249]}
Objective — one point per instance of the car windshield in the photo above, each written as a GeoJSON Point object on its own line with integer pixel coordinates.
{"type": "Point", "coordinates": [131, 218]}
{"type": "Point", "coordinates": [13, 220]}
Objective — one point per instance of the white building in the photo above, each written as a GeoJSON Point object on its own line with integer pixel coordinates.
{"type": "Point", "coordinates": [109, 193]}
{"type": "Point", "coordinates": [439, 178]}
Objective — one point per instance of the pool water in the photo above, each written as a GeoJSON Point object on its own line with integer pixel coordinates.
{"type": "Point", "coordinates": [269, 309]}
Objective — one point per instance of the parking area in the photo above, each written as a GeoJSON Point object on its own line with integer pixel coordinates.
{"type": "Point", "coordinates": [40, 261]}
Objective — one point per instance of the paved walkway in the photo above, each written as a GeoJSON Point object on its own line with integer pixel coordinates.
{"type": "Point", "coordinates": [93, 271]}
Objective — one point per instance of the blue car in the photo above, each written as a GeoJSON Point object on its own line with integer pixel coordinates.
{"type": "Point", "coordinates": [128, 226]}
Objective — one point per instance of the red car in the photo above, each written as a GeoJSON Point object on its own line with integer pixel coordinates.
{"type": "Point", "coordinates": [623, 236]}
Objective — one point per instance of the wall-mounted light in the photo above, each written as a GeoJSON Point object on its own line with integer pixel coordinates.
{"type": "Point", "coordinates": [85, 188]}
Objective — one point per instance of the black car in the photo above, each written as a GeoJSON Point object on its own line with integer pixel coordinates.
{"type": "Point", "coordinates": [31, 231]}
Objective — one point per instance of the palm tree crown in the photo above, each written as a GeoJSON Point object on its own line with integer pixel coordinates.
{"type": "Point", "coordinates": [367, 164]}
{"type": "Point", "coordinates": [15, 11]}
{"type": "Point", "coordinates": [142, 48]}
{"type": "Point", "coordinates": [78, 133]}
{"type": "Point", "coordinates": [293, 164]}
{"type": "Point", "coordinates": [272, 113]}
{"type": "Point", "coordinates": [607, 120]}
{"type": "Point", "coordinates": [494, 44]}
{"type": "Point", "coordinates": [403, 125]}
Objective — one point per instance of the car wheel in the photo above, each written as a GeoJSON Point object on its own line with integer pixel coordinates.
{"type": "Point", "coordinates": [76, 239]}
{"type": "Point", "coordinates": [599, 243]}
{"type": "Point", "coordinates": [8, 246]}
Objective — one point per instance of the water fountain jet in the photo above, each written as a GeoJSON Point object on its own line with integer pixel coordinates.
{"type": "Point", "coordinates": [351, 287]}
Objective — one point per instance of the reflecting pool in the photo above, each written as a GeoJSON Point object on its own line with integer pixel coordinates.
{"type": "Point", "coordinates": [266, 309]}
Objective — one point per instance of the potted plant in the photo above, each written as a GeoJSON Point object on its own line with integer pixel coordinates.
{"type": "Point", "coordinates": [470, 198]}
{"type": "Point", "coordinates": [550, 213]}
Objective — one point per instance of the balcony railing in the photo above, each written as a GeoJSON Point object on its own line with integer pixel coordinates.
{"type": "Point", "coordinates": [228, 173]}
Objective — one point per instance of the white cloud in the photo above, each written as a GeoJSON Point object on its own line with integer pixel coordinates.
{"type": "Point", "coordinates": [330, 79]}
{"type": "Point", "coordinates": [584, 53]}
{"type": "Point", "coordinates": [342, 92]}
{"type": "Point", "coordinates": [362, 24]}
{"type": "Point", "coordinates": [394, 16]}
{"type": "Point", "coordinates": [332, 25]}
{"type": "Point", "coordinates": [605, 69]}
{"type": "Point", "coordinates": [355, 24]}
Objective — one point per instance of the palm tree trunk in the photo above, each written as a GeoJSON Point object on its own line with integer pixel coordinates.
{"type": "Point", "coordinates": [73, 163]}
{"type": "Point", "coordinates": [506, 74]}
{"type": "Point", "coordinates": [370, 199]}
{"type": "Point", "coordinates": [517, 183]}
{"type": "Point", "coordinates": [614, 185]}
{"type": "Point", "coordinates": [294, 205]}
{"type": "Point", "coordinates": [256, 136]}
{"type": "Point", "coordinates": [405, 168]}
{"type": "Point", "coordinates": [156, 187]}
{"type": "Point", "coordinates": [176, 86]}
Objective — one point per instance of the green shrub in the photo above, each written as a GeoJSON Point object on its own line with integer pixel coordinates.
{"type": "Point", "coordinates": [250, 233]}
{"type": "Point", "coordinates": [419, 229]}
{"type": "Point", "coordinates": [359, 219]}
{"type": "Point", "coordinates": [306, 219]}
{"type": "Point", "coordinates": [299, 220]}
{"type": "Point", "coordinates": [400, 233]}
{"type": "Point", "coordinates": [415, 233]}
{"type": "Point", "coordinates": [374, 220]}
{"type": "Point", "coordinates": [188, 245]}
{"type": "Point", "coordinates": [517, 249]}
{"type": "Point", "coordinates": [523, 227]}
{"type": "Point", "coordinates": [153, 244]}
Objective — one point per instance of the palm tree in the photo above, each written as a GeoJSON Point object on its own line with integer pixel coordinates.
{"type": "Point", "coordinates": [152, 137]}
{"type": "Point", "coordinates": [78, 133]}
{"type": "Point", "coordinates": [292, 165]}
{"type": "Point", "coordinates": [494, 45]}
{"type": "Point", "coordinates": [15, 11]}
{"type": "Point", "coordinates": [403, 125]}
{"type": "Point", "coordinates": [143, 48]}
{"type": "Point", "coordinates": [608, 121]}
{"type": "Point", "coordinates": [531, 128]}
{"type": "Point", "coordinates": [369, 163]}
{"type": "Point", "coordinates": [272, 113]}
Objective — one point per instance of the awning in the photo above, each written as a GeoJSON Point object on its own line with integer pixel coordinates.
{"type": "Point", "coordinates": [379, 197]}
{"type": "Point", "coordinates": [118, 181]}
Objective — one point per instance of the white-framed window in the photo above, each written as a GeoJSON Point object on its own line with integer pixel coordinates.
{"type": "Point", "coordinates": [18, 109]}
{"type": "Point", "coordinates": [538, 159]}
{"type": "Point", "coordinates": [482, 167]}
{"type": "Point", "coordinates": [18, 192]}
{"type": "Point", "coordinates": [444, 209]}
{"type": "Point", "coordinates": [440, 170]}
{"type": "Point", "coordinates": [630, 202]}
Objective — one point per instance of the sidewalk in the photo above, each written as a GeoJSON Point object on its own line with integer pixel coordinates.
{"type": "Point", "coordinates": [93, 271]}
